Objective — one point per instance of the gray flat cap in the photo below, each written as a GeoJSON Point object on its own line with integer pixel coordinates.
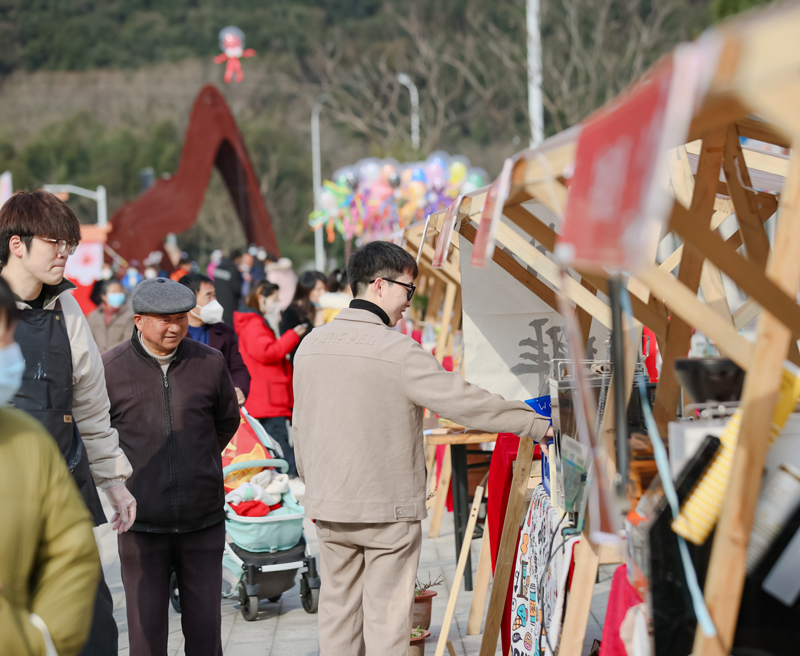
{"type": "Point", "coordinates": [162, 296]}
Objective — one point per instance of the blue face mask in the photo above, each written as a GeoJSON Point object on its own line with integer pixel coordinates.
{"type": "Point", "coordinates": [12, 366]}
{"type": "Point", "coordinates": [115, 299]}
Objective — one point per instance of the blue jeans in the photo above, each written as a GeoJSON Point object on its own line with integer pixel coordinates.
{"type": "Point", "coordinates": [276, 427]}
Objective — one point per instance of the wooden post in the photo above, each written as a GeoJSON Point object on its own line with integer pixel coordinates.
{"type": "Point", "coordinates": [726, 572]}
{"type": "Point", "coordinates": [679, 332]}
{"type": "Point", "coordinates": [447, 318]}
{"type": "Point", "coordinates": [434, 300]}
{"type": "Point", "coordinates": [462, 563]}
{"type": "Point", "coordinates": [587, 560]}
{"type": "Point", "coordinates": [440, 499]}
{"type": "Point", "coordinates": [508, 540]}
{"type": "Point", "coordinates": [482, 578]}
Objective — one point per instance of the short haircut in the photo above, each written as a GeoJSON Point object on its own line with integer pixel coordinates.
{"type": "Point", "coordinates": [107, 283]}
{"type": "Point", "coordinates": [378, 259]}
{"type": "Point", "coordinates": [9, 314]}
{"type": "Point", "coordinates": [36, 213]}
{"type": "Point", "coordinates": [194, 281]}
{"type": "Point", "coordinates": [264, 288]}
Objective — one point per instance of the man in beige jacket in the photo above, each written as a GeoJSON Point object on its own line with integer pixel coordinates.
{"type": "Point", "coordinates": [360, 389]}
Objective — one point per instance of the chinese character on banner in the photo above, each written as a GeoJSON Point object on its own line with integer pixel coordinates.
{"type": "Point", "coordinates": [446, 233]}
{"type": "Point", "coordinates": [617, 204]}
{"type": "Point", "coordinates": [491, 216]}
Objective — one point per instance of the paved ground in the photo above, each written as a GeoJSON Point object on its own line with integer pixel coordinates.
{"type": "Point", "coordinates": [285, 629]}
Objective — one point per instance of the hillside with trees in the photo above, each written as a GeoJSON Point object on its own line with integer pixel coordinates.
{"type": "Point", "coordinates": [92, 92]}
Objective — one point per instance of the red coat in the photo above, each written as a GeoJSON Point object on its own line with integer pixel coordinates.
{"type": "Point", "coordinates": [270, 372]}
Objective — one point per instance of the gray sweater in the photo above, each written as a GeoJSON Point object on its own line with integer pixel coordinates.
{"type": "Point", "coordinates": [360, 389]}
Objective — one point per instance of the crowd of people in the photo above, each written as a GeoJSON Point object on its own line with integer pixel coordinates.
{"type": "Point", "coordinates": [141, 398]}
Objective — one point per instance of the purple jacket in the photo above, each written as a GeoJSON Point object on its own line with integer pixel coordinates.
{"type": "Point", "coordinates": [223, 338]}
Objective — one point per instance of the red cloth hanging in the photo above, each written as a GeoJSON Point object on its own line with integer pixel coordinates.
{"type": "Point", "coordinates": [500, 475]}
{"type": "Point", "coordinates": [621, 597]}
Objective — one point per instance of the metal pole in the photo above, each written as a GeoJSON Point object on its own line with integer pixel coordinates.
{"type": "Point", "coordinates": [407, 82]}
{"type": "Point", "coordinates": [535, 108]}
{"type": "Point", "coordinates": [102, 209]}
{"type": "Point", "coordinates": [319, 248]}
{"type": "Point", "coordinates": [621, 393]}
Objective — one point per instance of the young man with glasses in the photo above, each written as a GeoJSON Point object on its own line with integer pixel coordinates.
{"type": "Point", "coordinates": [63, 385]}
{"type": "Point", "coordinates": [360, 389]}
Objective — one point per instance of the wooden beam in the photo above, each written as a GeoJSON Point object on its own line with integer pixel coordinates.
{"type": "Point", "coordinates": [748, 311]}
{"type": "Point", "coordinates": [726, 571]}
{"type": "Point", "coordinates": [744, 272]}
{"type": "Point", "coordinates": [744, 201]}
{"type": "Point", "coordinates": [509, 264]}
{"type": "Point", "coordinates": [753, 128]}
{"type": "Point", "coordinates": [679, 331]}
{"type": "Point", "coordinates": [714, 291]}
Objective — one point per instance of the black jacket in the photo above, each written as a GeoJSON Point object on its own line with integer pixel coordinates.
{"type": "Point", "coordinates": [228, 285]}
{"type": "Point", "coordinates": [173, 429]}
{"type": "Point", "coordinates": [223, 338]}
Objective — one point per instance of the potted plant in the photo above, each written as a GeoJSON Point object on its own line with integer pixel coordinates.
{"type": "Point", "coordinates": [423, 598]}
{"type": "Point", "coordinates": [417, 646]}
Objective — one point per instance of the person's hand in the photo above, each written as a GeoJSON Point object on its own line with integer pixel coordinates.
{"type": "Point", "coordinates": [239, 396]}
{"type": "Point", "coordinates": [301, 329]}
{"type": "Point", "coordinates": [549, 432]}
{"type": "Point", "coordinates": [124, 506]}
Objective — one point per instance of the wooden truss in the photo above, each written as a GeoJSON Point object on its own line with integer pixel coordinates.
{"type": "Point", "coordinates": [752, 94]}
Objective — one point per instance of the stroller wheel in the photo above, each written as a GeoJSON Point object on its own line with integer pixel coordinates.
{"type": "Point", "coordinates": [272, 600]}
{"type": "Point", "coordinates": [174, 595]}
{"type": "Point", "coordinates": [249, 604]}
{"type": "Point", "coordinates": [311, 601]}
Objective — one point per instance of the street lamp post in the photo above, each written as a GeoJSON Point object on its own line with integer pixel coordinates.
{"type": "Point", "coordinates": [406, 81]}
{"type": "Point", "coordinates": [535, 109]}
{"type": "Point", "coordinates": [319, 248]}
{"type": "Point", "coordinates": [98, 196]}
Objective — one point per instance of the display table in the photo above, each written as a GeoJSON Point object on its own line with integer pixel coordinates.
{"type": "Point", "coordinates": [458, 442]}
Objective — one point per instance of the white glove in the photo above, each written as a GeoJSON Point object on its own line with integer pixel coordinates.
{"type": "Point", "coordinates": [124, 506]}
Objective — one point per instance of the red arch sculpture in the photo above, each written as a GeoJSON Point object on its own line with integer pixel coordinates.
{"type": "Point", "coordinates": [172, 205]}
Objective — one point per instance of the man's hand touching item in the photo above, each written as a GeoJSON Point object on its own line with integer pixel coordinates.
{"type": "Point", "coordinates": [124, 506]}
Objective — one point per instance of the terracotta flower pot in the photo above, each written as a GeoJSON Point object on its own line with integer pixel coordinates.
{"type": "Point", "coordinates": [417, 646]}
{"type": "Point", "coordinates": [422, 609]}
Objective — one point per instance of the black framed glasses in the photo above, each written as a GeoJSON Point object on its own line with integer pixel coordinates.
{"type": "Point", "coordinates": [411, 288]}
{"type": "Point", "coordinates": [62, 245]}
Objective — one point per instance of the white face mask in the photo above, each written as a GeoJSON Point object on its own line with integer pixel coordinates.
{"type": "Point", "coordinates": [269, 308]}
{"type": "Point", "coordinates": [211, 312]}
{"type": "Point", "coordinates": [12, 366]}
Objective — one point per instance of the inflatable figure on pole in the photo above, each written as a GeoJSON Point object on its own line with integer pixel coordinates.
{"type": "Point", "coordinates": [231, 42]}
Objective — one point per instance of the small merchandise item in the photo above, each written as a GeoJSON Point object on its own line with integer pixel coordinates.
{"type": "Point", "coordinates": [250, 491]}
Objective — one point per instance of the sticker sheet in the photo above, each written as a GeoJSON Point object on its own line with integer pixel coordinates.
{"type": "Point", "coordinates": [537, 602]}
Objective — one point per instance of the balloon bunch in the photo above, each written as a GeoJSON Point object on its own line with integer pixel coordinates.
{"type": "Point", "coordinates": [377, 197]}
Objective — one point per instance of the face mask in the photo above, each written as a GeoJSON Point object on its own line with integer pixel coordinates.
{"type": "Point", "coordinates": [211, 312]}
{"type": "Point", "coordinates": [150, 274]}
{"type": "Point", "coordinates": [12, 366]}
{"type": "Point", "coordinates": [115, 299]}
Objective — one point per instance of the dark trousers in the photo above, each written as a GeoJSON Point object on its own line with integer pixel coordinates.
{"type": "Point", "coordinates": [104, 636]}
{"type": "Point", "coordinates": [276, 427]}
{"type": "Point", "coordinates": [147, 560]}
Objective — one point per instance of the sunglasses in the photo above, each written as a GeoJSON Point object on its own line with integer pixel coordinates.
{"type": "Point", "coordinates": [411, 288]}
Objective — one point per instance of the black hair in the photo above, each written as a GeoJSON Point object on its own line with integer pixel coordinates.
{"type": "Point", "coordinates": [9, 314]}
{"type": "Point", "coordinates": [378, 259]}
{"type": "Point", "coordinates": [36, 213]}
{"type": "Point", "coordinates": [338, 280]}
{"type": "Point", "coordinates": [194, 281]}
{"type": "Point", "coordinates": [105, 284]}
{"type": "Point", "coordinates": [264, 288]}
{"type": "Point", "coordinates": [302, 293]}
{"type": "Point", "coordinates": [236, 253]}
{"type": "Point", "coordinates": [267, 288]}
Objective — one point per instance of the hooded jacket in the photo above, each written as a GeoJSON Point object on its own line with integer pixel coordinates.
{"type": "Point", "coordinates": [173, 427]}
{"type": "Point", "coordinates": [267, 361]}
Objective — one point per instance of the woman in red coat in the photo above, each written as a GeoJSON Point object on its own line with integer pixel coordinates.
{"type": "Point", "coordinates": [266, 353]}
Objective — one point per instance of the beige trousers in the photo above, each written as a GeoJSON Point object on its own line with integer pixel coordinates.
{"type": "Point", "coordinates": [367, 592]}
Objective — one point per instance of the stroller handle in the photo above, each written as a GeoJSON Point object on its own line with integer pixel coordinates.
{"type": "Point", "coordinates": [251, 464]}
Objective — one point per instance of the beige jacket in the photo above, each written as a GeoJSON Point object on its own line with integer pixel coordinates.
{"type": "Point", "coordinates": [116, 331]}
{"type": "Point", "coordinates": [90, 404]}
{"type": "Point", "coordinates": [360, 389]}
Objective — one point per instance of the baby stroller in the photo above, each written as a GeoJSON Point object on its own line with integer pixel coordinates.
{"type": "Point", "coordinates": [263, 555]}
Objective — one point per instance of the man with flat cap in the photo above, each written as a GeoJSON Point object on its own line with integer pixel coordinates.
{"type": "Point", "coordinates": [174, 406]}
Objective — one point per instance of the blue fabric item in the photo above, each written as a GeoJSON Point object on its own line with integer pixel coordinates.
{"type": "Point", "coordinates": [199, 334]}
